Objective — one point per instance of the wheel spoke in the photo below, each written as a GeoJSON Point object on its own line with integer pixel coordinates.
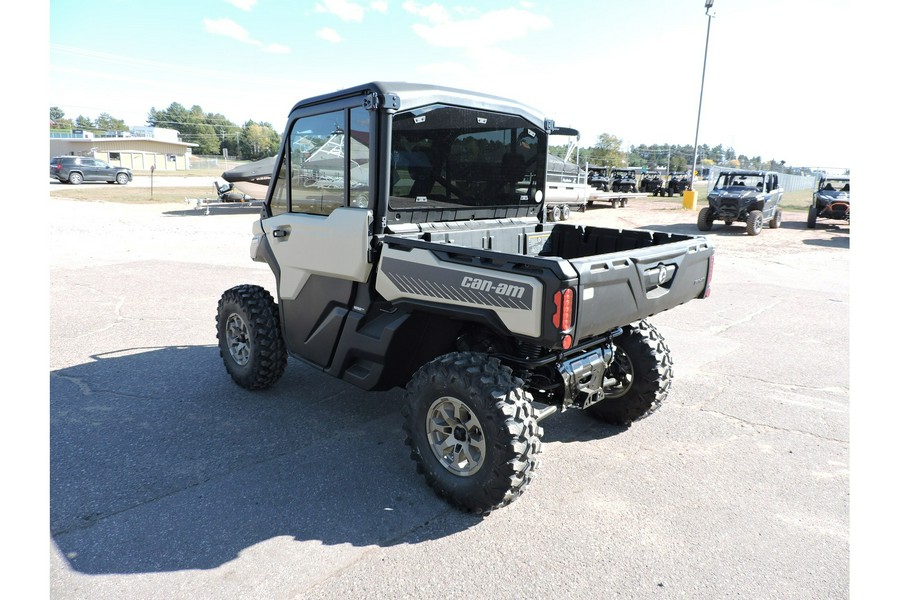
{"type": "Point", "coordinates": [477, 443]}
{"type": "Point", "coordinates": [455, 436]}
{"type": "Point", "coordinates": [237, 338]}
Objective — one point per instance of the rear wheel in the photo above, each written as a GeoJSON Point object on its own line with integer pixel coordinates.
{"type": "Point", "coordinates": [638, 380]}
{"type": "Point", "coordinates": [249, 333]}
{"type": "Point", "coordinates": [76, 178]}
{"type": "Point", "coordinates": [565, 212]}
{"type": "Point", "coordinates": [775, 221]}
{"type": "Point", "coordinates": [472, 431]}
{"type": "Point", "coordinates": [754, 222]}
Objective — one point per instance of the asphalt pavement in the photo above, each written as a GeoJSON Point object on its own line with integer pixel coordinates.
{"type": "Point", "coordinates": [169, 481]}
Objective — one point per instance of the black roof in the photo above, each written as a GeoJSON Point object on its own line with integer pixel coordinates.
{"type": "Point", "coordinates": [413, 95]}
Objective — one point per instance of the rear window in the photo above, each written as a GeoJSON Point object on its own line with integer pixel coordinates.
{"type": "Point", "coordinates": [450, 157]}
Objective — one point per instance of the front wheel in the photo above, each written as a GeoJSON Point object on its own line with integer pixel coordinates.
{"type": "Point", "coordinates": [754, 222]}
{"type": "Point", "coordinates": [811, 218]}
{"type": "Point", "coordinates": [472, 431]}
{"type": "Point", "coordinates": [249, 333]}
{"type": "Point", "coordinates": [638, 379]}
{"type": "Point", "coordinates": [705, 219]}
{"type": "Point", "coordinates": [121, 178]}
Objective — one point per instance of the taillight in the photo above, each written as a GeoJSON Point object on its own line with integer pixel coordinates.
{"type": "Point", "coordinates": [708, 289]}
{"type": "Point", "coordinates": [562, 317]}
{"type": "Point", "coordinates": [564, 301]}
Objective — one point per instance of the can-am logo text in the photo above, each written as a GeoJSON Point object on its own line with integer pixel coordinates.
{"type": "Point", "coordinates": [486, 285]}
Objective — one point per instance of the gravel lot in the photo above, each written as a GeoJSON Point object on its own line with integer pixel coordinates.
{"type": "Point", "coordinates": [168, 481]}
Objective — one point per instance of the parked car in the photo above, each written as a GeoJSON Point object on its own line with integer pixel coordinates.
{"type": "Point", "coordinates": [748, 196]}
{"type": "Point", "coordinates": [78, 169]}
{"type": "Point", "coordinates": [830, 201]}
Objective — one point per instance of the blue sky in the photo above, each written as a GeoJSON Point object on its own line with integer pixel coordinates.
{"type": "Point", "coordinates": [629, 68]}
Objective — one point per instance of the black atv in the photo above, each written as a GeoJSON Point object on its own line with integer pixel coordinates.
{"type": "Point", "coordinates": [830, 201]}
{"type": "Point", "coordinates": [748, 196]}
{"type": "Point", "coordinates": [678, 183]}
{"type": "Point", "coordinates": [651, 182]}
{"type": "Point", "coordinates": [624, 180]}
{"type": "Point", "coordinates": [598, 177]}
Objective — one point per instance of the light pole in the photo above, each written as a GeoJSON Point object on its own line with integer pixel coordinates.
{"type": "Point", "coordinates": [709, 4]}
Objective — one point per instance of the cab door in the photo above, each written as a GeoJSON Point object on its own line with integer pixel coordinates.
{"type": "Point", "coordinates": [319, 230]}
{"type": "Point", "coordinates": [773, 194]}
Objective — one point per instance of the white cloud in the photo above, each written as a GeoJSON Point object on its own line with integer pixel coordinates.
{"type": "Point", "coordinates": [379, 6]}
{"type": "Point", "coordinates": [493, 27]}
{"type": "Point", "coordinates": [434, 13]}
{"type": "Point", "coordinates": [346, 11]}
{"type": "Point", "coordinates": [228, 28]}
{"type": "Point", "coordinates": [329, 35]}
{"type": "Point", "coordinates": [246, 5]}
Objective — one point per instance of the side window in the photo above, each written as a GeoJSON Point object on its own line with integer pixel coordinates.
{"type": "Point", "coordinates": [359, 157]}
{"type": "Point", "coordinates": [317, 163]}
{"type": "Point", "coordinates": [279, 204]}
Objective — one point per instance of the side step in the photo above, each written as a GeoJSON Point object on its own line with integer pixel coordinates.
{"type": "Point", "coordinates": [542, 411]}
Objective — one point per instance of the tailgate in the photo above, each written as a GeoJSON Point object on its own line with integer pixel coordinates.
{"type": "Point", "coordinates": [626, 286]}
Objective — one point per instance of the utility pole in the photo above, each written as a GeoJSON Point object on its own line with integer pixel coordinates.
{"type": "Point", "coordinates": [709, 4]}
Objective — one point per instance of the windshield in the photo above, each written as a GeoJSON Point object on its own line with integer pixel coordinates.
{"type": "Point", "coordinates": [450, 157]}
{"type": "Point", "coordinates": [739, 181]}
{"type": "Point", "coordinates": [829, 184]}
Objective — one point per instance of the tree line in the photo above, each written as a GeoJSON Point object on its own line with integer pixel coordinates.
{"type": "Point", "coordinates": [608, 150]}
{"type": "Point", "coordinates": [212, 132]}
{"type": "Point", "coordinates": [253, 140]}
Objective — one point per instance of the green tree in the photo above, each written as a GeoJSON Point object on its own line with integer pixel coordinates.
{"type": "Point", "coordinates": [58, 119]}
{"type": "Point", "coordinates": [107, 123]}
{"type": "Point", "coordinates": [258, 140]}
{"type": "Point", "coordinates": [175, 117]}
{"type": "Point", "coordinates": [607, 150]}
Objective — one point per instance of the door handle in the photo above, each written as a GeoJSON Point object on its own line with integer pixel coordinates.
{"type": "Point", "coordinates": [280, 233]}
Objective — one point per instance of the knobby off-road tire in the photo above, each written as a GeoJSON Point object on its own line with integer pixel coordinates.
{"type": "Point", "coordinates": [705, 219]}
{"type": "Point", "coordinates": [754, 222]}
{"type": "Point", "coordinates": [249, 334]}
{"type": "Point", "coordinates": [472, 431]}
{"type": "Point", "coordinates": [775, 221]}
{"type": "Point", "coordinates": [811, 217]}
{"type": "Point", "coordinates": [642, 370]}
